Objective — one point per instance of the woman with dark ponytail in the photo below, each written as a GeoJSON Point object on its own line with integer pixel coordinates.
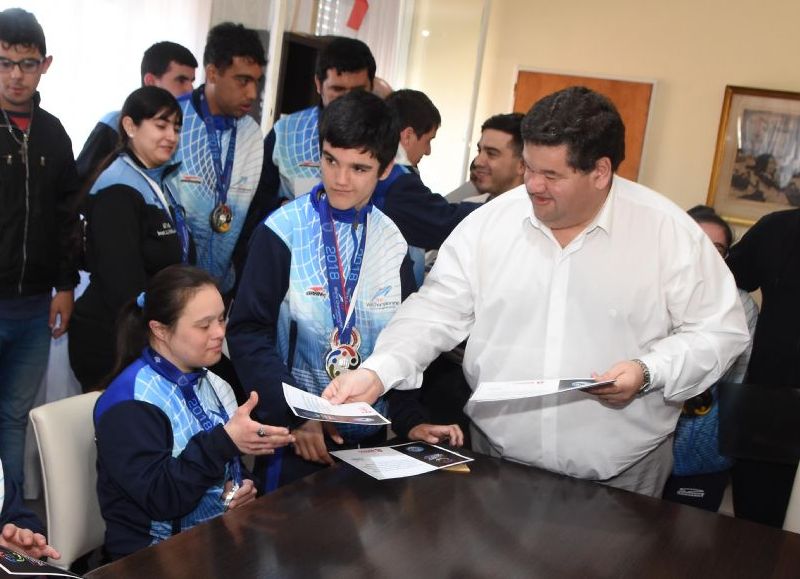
{"type": "Point", "coordinates": [134, 228]}
{"type": "Point", "coordinates": [169, 434]}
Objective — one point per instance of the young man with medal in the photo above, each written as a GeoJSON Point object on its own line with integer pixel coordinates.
{"type": "Point", "coordinates": [325, 275]}
{"type": "Point", "coordinates": [221, 148]}
{"type": "Point", "coordinates": [39, 225]}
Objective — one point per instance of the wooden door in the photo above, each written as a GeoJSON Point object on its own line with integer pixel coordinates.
{"type": "Point", "coordinates": [632, 100]}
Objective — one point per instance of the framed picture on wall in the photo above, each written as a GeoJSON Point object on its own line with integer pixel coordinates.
{"type": "Point", "coordinates": [757, 162]}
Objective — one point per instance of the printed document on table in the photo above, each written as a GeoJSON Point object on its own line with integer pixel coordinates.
{"type": "Point", "coordinates": [495, 391]}
{"type": "Point", "coordinates": [13, 564]}
{"type": "Point", "coordinates": [409, 459]}
{"type": "Point", "coordinates": [313, 407]}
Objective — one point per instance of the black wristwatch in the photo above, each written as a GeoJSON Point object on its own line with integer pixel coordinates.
{"type": "Point", "coordinates": [646, 372]}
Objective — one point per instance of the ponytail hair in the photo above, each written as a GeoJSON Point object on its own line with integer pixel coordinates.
{"type": "Point", "coordinates": [166, 296]}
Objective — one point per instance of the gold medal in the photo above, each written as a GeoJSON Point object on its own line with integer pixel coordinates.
{"type": "Point", "coordinates": [220, 218]}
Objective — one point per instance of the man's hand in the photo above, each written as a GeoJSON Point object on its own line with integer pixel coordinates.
{"type": "Point", "coordinates": [628, 377]}
{"type": "Point", "coordinates": [310, 441]}
{"type": "Point", "coordinates": [438, 433]}
{"type": "Point", "coordinates": [245, 494]}
{"type": "Point", "coordinates": [360, 385]}
{"type": "Point", "coordinates": [27, 542]}
{"type": "Point", "coordinates": [61, 305]}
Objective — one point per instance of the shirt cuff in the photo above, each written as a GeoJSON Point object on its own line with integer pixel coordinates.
{"type": "Point", "coordinates": [389, 370]}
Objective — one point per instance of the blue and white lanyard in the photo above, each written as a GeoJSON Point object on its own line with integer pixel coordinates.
{"type": "Point", "coordinates": [215, 148]}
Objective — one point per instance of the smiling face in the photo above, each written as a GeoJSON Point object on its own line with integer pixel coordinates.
{"type": "Point", "coordinates": [337, 84]}
{"type": "Point", "coordinates": [349, 176]}
{"type": "Point", "coordinates": [154, 140]}
{"type": "Point", "coordinates": [497, 168]}
{"type": "Point", "coordinates": [16, 87]}
{"type": "Point", "coordinates": [195, 340]}
{"type": "Point", "coordinates": [233, 90]}
{"type": "Point", "coordinates": [563, 198]}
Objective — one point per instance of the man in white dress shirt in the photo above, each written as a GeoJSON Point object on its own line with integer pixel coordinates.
{"type": "Point", "coordinates": [604, 278]}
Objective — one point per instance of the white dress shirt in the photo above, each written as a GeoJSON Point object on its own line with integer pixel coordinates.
{"type": "Point", "coordinates": [641, 281]}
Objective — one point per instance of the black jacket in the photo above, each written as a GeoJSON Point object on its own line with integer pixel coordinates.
{"type": "Point", "coordinates": [39, 237]}
{"type": "Point", "coordinates": [768, 258]}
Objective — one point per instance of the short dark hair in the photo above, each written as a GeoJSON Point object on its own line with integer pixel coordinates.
{"type": "Point", "coordinates": [228, 40]}
{"type": "Point", "coordinates": [360, 120]}
{"type": "Point", "coordinates": [148, 102]}
{"type": "Point", "coordinates": [345, 55]}
{"type": "Point", "coordinates": [414, 109]}
{"type": "Point", "coordinates": [157, 58]}
{"type": "Point", "coordinates": [706, 214]}
{"type": "Point", "coordinates": [20, 27]}
{"type": "Point", "coordinates": [585, 121]}
{"type": "Point", "coordinates": [510, 123]}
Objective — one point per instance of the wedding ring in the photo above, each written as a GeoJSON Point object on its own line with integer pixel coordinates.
{"type": "Point", "coordinates": [261, 432]}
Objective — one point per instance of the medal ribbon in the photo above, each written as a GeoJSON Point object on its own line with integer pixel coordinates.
{"type": "Point", "coordinates": [185, 383]}
{"type": "Point", "coordinates": [340, 290]}
{"type": "Point", "coordinates": [174, 211]}
{"type": "Point", "coordinates": [215, 148]}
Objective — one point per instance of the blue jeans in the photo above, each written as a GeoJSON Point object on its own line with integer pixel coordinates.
{"type": "Point", "coordinates": [24, 350]}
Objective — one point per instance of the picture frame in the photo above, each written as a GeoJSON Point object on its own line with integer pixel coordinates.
{"type": "Point", "coordinates": [756, 166]}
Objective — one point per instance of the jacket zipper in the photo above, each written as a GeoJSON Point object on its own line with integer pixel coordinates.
{"type": "Point", "coordinates": [25, 157]}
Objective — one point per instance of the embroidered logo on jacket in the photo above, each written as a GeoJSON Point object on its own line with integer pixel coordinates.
{"type": "Point", "coordinates": [317, 290]}
{"type": "Point", "coordinates": [380, 299]}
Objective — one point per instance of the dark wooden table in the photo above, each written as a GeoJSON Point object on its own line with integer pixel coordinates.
{"type": "Point", "coordinates": [501, 520]}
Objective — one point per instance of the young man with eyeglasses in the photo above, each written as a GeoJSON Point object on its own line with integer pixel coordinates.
{"type": "Point", "coordinates": [38, 229]}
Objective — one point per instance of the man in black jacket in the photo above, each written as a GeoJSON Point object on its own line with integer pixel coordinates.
{"type": "Point", "coordinates": [38, 229]}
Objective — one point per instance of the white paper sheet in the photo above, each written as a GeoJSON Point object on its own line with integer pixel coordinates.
{"type": "Point", "coordinates": [313, 407]}
{"type": "Point", "coordinates": [402, 460]}
{"type": "Point", "coordinates": [495, 391]}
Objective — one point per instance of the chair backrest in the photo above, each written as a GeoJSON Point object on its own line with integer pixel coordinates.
{"type": "Point", "coordinates": [65, 437]}
{"type": "Point", "coordinates": [792, 520]}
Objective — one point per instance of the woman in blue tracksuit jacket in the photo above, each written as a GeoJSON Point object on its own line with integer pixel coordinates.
{"type": "Point", "coordinates": [169, 434]}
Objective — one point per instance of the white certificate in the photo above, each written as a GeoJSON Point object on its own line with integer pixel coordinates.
{"type": "Point", "coordinates": [495, 391]}
{"type": "Point", "coordinates": [409, 459]}
{"type": "Point", "coordinates": [313, 407]}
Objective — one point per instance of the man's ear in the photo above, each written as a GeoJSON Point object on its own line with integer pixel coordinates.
{"type": "Point", "coordinates": [406, 135]}
{"type": "Point", "coordinates": [48, 60]}
{"type": "Point", "coordinates": [149, 79]}
{"type": "Point", "coordinates": [602, 173]}
{"type": "Point", "coordinates": [318, 84]}
{"type": "Point", "coordinates": [386, 171]}
{"type": "Point", "coordinates": [211, 73]}
{"type": "Point", "coordinates": [521, 168]}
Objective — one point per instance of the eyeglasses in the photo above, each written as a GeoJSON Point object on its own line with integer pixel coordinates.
{"type": "Point", "coordinates": [26, 65]}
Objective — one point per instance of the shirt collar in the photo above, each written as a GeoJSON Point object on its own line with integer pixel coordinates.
{"type": "Point", "coordinates": [401, 158]}
{"type": "Point", "coordinates": [602, 219]}
{"type": "Point", "coordinates": [345, 215]}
